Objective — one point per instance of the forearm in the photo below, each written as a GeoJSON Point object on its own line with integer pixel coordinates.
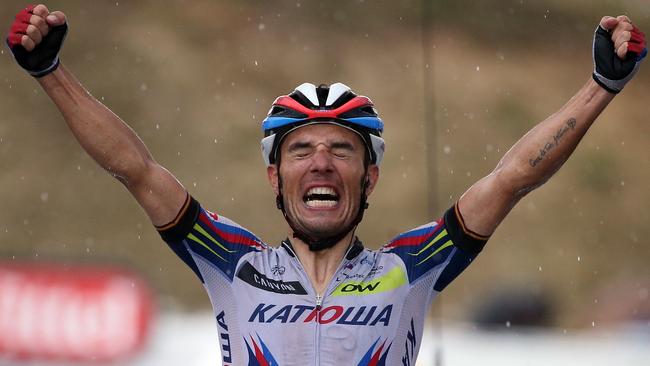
{"type": "Point", "coordinates": [618, 48]}
{"type": "Point", "coordinates": [35, 38]}
{"type": "Point", "coordinates": [545, 148]}
{"type": "Point", "coordinates": [102, 134]}
{"type": "Point", "coordinates": [532, 160]}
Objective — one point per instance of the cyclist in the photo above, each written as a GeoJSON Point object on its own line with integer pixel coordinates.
{"type": "Point", "coordinates": [321, 298]}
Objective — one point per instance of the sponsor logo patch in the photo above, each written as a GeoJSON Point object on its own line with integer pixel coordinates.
{"type": "Point", "coordinates": [353, 315]}
{"type": "Point", "coordinates": [410, 346]}
{"type": "Point", "coordinates": [253, 277]}
{"type": "Point", "coordinates": [392, 280]}
{"type": "Point", "coordinates": [225, 338]}
{"type": "Point", "coordinates": [278, 270]}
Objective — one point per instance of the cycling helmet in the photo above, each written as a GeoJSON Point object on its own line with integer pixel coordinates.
{"type": "Point", "coordinates": [335, 104]}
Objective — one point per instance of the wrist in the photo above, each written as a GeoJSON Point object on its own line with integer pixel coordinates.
{"type": "Point", "coordinates": [595, 92]}
{"type": "Point", "coordinates": [58, 79]}
{"type": "Point", "coordinates": [47, 71]}
{"type": "Point", "coordinates": [603, 85]}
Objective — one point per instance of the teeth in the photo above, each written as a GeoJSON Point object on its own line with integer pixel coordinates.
{"type": "Point", "coordinates": [322, 190]}
{"type": "Point", "coordinates": [319, 203]}
{"type": "Point", "coordinates": [321, 197]}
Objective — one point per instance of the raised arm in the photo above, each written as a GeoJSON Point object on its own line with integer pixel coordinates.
{"type": "Point", "coordinates": [618, 49]}
{"type": "Point", "coordinates": [104, 136]}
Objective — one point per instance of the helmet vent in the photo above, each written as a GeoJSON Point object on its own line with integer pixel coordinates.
{"type": "Point", "coordinates": [322, 91]}
{"type": "Point", "coordinates": [370, 110]}
{"type": "Point", "coordinates": [306, 94]}
{"type": "Point", "coordinates": [344, 98]}
{"type": "Point", "coordinates": [300, 98]}
{"type": "Point", "coordinates": [276, 110]}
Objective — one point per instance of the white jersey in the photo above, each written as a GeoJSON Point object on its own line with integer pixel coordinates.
{"type": "Point", "coordinates": [268, 313]}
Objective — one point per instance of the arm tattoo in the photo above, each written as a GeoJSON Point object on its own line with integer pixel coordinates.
{"type": "Point", "coordinates": [550, 145]}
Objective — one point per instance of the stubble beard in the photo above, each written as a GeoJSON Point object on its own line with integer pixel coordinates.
{"type": "Point", "coordinates": [316, 230]}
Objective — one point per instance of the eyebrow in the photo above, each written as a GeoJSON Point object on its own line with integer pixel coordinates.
{"type": "Point", "coordinates": [298, 145]}
{"type": "Point", "coordinates": [342, 145]}
{"type": "Point", "coordinates": [334, 145]}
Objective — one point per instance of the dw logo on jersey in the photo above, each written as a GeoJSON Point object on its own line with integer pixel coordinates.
{"type": "Point", "coordinates": [392, 280]}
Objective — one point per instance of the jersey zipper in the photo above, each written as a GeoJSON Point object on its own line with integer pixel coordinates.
{"type": "Point", "coordinates": [319, 300]}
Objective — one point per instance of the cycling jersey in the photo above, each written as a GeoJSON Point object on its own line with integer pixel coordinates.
{"type": "Point", "coordinates": [268, 313]}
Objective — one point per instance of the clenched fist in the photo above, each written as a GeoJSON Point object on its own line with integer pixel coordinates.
{"type": "Point", "coordinates": [618, 49]}
{"type": "Point", "coordinates": [36, 37]}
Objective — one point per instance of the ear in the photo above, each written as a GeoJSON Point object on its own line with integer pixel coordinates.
{"type": "Point", "coordinates": [272, 174]}
{"type": "Point", "coordinates": [371, 178]}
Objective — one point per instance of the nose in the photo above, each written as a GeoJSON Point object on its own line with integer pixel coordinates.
{"type": "Point", "coordinates": [321, 159]}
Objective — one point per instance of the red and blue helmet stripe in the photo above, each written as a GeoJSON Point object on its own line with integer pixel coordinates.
{"type": "Point", "coordinates": [335, 104]}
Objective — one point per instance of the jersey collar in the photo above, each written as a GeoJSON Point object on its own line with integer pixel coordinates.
{"type": "Point", "coordinates": [355, 249]}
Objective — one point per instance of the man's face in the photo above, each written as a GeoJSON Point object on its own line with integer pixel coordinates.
{"type": "Point", "coordinates": [322, 171]}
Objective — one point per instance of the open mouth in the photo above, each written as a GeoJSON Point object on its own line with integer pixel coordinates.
{"type": "Point", "coordinates": [318, 197]}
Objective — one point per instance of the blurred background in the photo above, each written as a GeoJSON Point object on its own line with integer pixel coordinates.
{"type": "Point", "coordinates": [564, 279]}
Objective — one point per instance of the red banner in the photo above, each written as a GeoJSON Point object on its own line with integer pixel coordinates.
{"type": "Point", "coordinates": [63, 313]}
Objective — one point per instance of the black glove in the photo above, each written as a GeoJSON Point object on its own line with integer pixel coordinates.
{"type": "Point", "coordinates": [610, 71]}
{"type": "Point", "coordinates": [44, 58]}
